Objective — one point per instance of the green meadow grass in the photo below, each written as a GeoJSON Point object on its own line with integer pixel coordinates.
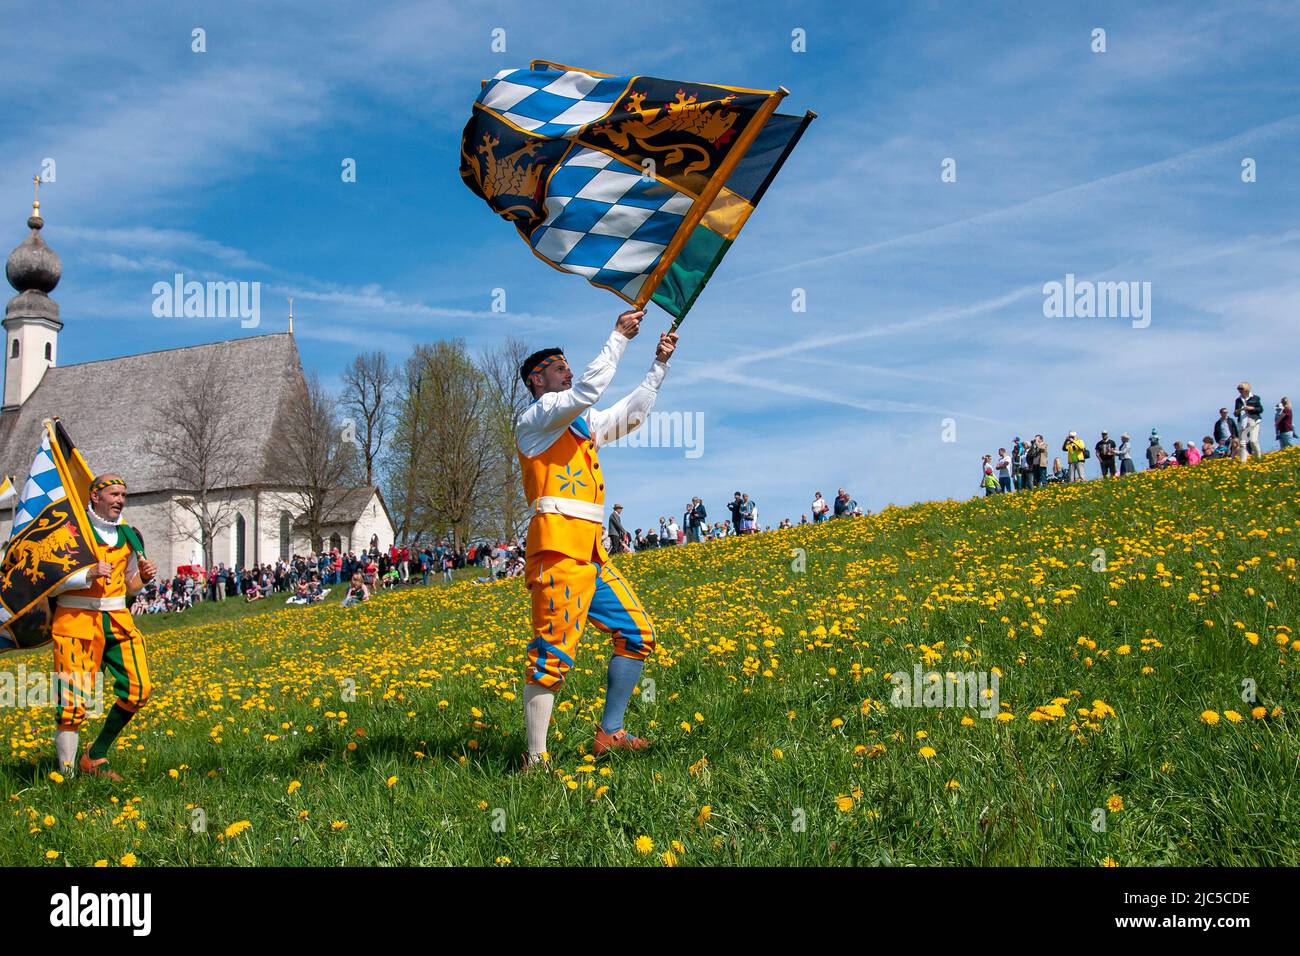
{"type": "Point", "coordinates": [767, 702]}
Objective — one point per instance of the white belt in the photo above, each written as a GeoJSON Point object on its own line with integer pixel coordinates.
{"type": "Point", "coordinates": [570, 508]}
{"type": "Point", "coordinates": [117, 603]}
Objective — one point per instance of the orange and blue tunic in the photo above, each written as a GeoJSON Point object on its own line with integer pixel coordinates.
{"type": "Point", "coordinates": [570, 578]}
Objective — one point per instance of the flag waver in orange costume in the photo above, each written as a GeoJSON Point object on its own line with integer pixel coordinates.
{"type": "Point", "coordinates": [93, 630]}
{"type": "Point", "coordinates": [570, 579]}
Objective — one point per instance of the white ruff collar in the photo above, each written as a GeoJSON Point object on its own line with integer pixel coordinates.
{"type": "Point", "coordinates": [103, 524]}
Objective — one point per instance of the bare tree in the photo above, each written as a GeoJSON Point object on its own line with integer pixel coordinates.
{"type": "Point", "coordinates": [311, 455]}
{"type": "Point", "coordinates": [366, 398]}
{"type": "Point", "coordinates": [505, 507]}
{"type": "Point", "coordinates": [196, 441]}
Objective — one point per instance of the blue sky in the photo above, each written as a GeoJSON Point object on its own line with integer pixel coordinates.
{"type": "Point", "coordinates": [924, 298]}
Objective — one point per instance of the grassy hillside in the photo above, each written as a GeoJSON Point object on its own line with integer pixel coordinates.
{"type": "Point", "coordinates": [1123, 736]}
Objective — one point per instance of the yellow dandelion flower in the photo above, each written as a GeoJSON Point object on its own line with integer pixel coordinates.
{"type": "Point", "coordinates": [644, 844]}
{"type": "Point", "coordinates": [1115, 803]}
{"type": "Point", "coordinates": [1209, 717]}
{"type": "Point", "coordinates": [237, 828]}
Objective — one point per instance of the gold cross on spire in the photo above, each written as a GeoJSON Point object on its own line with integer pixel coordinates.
{"type": "Point", "coordinates": [36, 195]}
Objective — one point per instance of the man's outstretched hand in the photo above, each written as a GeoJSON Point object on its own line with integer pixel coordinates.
{"type": "Point", "coordinates": [629, 323]}
{"type": "Point", "coordinates": [667, 343]}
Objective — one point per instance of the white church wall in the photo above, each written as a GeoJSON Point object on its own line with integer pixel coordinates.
{"type": "Point", "coordinates": [373, 521]}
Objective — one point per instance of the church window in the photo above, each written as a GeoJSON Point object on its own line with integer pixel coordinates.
{"type": "Point", "coordinates": [285, 522]}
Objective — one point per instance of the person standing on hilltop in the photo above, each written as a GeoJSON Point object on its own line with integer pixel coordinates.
{"type": "Point", "coordinates": [1075, 453]}
{"type": "Point", "coordinates": [1125, 454]}
{"type": "Point", "coordinates": [570, 579]}
{"type": "Point", "coordinates": [735, 506]}
{"type": "Point", "coordinates": [1003, 465]}
{"type": "Point", "coordinates": [1040, 460]}
{"type": "Point", "coordinates": [617, 533]}
{"type": "Point", "coordinates": [1106, 455]}
{"type": "Point", "coordinates": [1249, 409]}
{"type": "Point", "coordinates": [1284, 424]}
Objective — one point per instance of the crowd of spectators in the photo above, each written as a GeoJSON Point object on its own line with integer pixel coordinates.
{"type": "Point", "coordinates": [309, 579]}
{"type": "Point", "coordinates": [1233, 434]}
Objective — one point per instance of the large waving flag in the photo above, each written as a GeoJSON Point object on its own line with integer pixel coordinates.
{"type": "Point", "coordinates": [638, 184]}
{"type": "Point", "coordinates": [51, 539]}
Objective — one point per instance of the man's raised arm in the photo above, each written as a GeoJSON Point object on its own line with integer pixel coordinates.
{"type": "Point", "coordinates": [553, 411]}
{"type": "Point", "coordinates": [611, 424]}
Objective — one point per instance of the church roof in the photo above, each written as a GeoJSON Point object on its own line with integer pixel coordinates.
{"type": "Point", "coordinates": [108, 407]}
{"type": "Point", "coordinates": [348, 507]}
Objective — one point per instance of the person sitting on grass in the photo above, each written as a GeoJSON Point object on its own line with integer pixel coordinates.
{"type": "Point", "coordinates": [357, 591]}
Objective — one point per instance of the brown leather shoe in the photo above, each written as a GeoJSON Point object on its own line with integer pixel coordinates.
{"type": "Point", "coordinates": [97, 768]}
{"type": "Point", "coordinates": [618, 740]}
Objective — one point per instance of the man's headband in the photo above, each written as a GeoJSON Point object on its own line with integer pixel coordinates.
{"type": "Point", "coordinates": [538, 361]}
{"type": "Point", "coordinates": [102, 483]}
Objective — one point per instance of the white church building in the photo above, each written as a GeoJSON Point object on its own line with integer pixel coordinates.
{"type": "Point", "coordinates": [107, 406]}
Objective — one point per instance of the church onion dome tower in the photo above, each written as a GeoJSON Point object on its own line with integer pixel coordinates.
{"type": "Point", "coordinates": [31, 319]}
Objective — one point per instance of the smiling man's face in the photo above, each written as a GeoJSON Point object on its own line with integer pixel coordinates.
{"type": "Point", "coordinates": [109, 502]}
{"type": "Point", "coordinates": [556, 377]}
